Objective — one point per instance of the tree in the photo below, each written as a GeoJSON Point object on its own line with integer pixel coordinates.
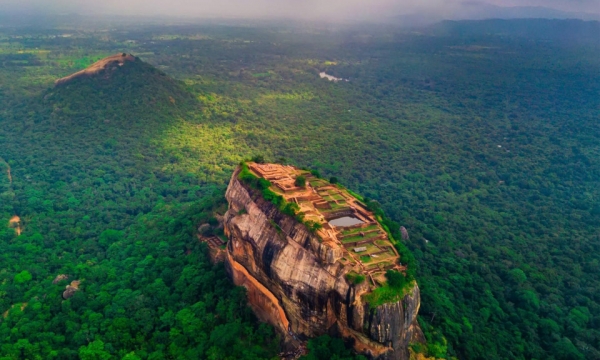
{"type": "Point", "coordinates": [565, 350]}
{"type": "Point", "coordinates": [518, 276]}
{"type": "Point", "coordinates": [327, 348]}
{"type": "Point", "coordinates": [94, 351]}
{"type": "Point", "coordinates": [260, 159]}
{"type": "Point", "coordinates": [300, 181]}
{"type": "Point", "coordinates": [395, 279]}
{"type": "Point", "coordinates": [110, 236]}
{"type": "Point", "coordinates": [23, 277]}
{"type": "Point", "coordinates": [131, 356]}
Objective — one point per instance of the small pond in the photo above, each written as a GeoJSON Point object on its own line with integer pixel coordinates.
{"type": "Point", "coordinates": [345, 221]}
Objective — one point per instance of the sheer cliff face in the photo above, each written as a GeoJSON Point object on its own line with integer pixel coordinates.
{"type": "Point", "coordinates": [295, 283]}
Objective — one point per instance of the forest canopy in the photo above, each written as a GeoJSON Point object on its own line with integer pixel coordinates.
{"type": "Point", "coordinates": [483, 144]}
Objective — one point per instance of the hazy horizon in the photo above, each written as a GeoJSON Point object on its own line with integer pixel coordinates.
{"type": "Point", "coordinates": [303, 10]}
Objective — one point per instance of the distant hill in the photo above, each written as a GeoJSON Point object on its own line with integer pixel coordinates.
{"type": "Point", "coordinates": [473, 10]}
{"type": "Point", "coordinates": [118, 89]}
{"type": "Point", "coordinates": [100, 117]}
{"type": "Point", "coordinates": [561, 30]}
{"type": "Point", "coordinates": [106, 67]}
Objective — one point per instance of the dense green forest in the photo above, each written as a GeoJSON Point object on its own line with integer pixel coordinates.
{"type": "Point", "coordinates": [481, 138]}
{"type": "Point", "coordinates": [96, 206]}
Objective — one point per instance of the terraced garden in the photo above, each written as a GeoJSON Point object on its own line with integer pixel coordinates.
{"type": "Point", "coordinates": [344, 220]}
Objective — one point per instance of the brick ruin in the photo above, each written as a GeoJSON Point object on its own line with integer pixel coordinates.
{"type": "Point", "coordinates": [366, 247]}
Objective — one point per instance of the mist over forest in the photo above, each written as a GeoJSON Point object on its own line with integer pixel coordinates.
{"type": "Point", "coordinates": [407, 12]}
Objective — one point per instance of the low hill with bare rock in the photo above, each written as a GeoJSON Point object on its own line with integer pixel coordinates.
{"type": "Point", "coordinates": [102, 67]}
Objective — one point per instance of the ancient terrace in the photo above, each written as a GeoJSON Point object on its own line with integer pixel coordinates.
{"type": "Point", "coordinates": [346, 222]}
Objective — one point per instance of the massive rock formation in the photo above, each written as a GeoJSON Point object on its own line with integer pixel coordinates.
{"type": "Point", "coordinates": [295, 283]}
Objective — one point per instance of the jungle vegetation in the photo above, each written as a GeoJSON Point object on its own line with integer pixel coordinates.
{"type": "Point", "coordinates": [481, 138]}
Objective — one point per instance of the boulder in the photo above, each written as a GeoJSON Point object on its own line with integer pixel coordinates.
{"type": "Point", "coordinates": [404, 233]}
{"type": "Point", "coordinates": [71, 289]}
{"type": "Point", "coordinates": [60, 278]}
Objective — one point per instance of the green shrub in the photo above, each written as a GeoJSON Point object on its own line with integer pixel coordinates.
{"type": "Point", "coordinates": [290, 209]}
{"type": "Point", "coordinates": [313, 226]}
{"type": "Point", "coordinates": [327, 348]}
{"type": "Point", "coordinates": [300, 181]}
{"type": "Point", "coordinates": [23, 277]}
{"type": "Point", "coordinates": [263, 184]}
{"type": "Point", "coordinates": [355, 278]}
{"type": "Point", "coordinates": [386, 294]}
{"type": "Point", "coordinates": [395, 279]}
{"type": "Point", "coordinates": [259, 159]}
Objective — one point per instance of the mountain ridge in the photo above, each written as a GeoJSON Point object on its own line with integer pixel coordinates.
{"type": "Point", "coordinates": [474, 10]}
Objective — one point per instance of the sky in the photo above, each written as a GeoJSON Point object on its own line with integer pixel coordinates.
{"type": "Point", "coordinates": [304, 9]}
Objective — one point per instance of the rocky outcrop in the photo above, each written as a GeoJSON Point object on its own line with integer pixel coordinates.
{"type": "Point", "coordinates": [404, 233]}
{"type": "Point", "coordinates": [60, 278]}
{"type": "Point", "coordinates": [71, 289]}
{"type": "Point", "coordinates": [296, 284]}
{"type": "Point", "coordinates": [394, 323]}
{"type": "Point", "coordinates": [106, 65]}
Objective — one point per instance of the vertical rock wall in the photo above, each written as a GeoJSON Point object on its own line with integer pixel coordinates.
{"type": "Point", "coordinates": [295, 283]}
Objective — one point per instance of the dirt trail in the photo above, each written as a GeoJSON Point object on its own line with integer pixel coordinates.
{"type": "Point", "coordinates": [15, 222]}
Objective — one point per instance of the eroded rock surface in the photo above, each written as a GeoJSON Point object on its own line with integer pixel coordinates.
{"type": "Point", "coordinates": [108, 64]}
{"type": "Point", "coordinates": [71, 289]}
{"type": "Point", "coordinates": [295, 284]}
{"type": "Point", "coordinates": [60, 278]}
{"type": "Point", "coordinates": [404, 233]}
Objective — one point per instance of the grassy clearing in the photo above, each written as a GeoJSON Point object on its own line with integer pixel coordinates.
{"type": "Point", "coordinates": [360, 238]}
{"type": "Point", "coordinates": [336, 206]}
{"type": "Point", "coordinates": [358, 230]}
{"type": "Point", "coordinates": [315, 182]}
{"type": "Point", "coordinates": [355, 278]}
{"type": "Point", "coordinates": [386, 294]}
